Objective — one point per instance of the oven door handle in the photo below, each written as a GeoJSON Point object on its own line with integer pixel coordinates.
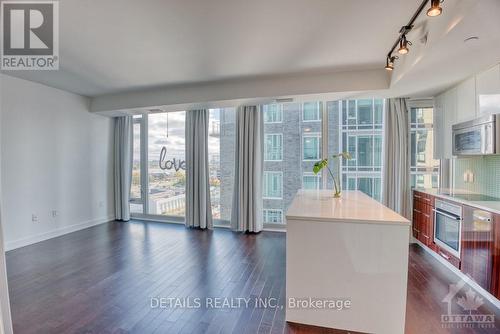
{"type": "Point", "coordinates": [447, 215]}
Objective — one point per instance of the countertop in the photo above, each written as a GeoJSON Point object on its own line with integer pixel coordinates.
{"type": "Point", "coordinates": [444, 193]}
{"type": "Point", "coordinates": [352, 207]}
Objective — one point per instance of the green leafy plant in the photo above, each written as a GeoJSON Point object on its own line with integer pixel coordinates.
{"type": "Point", "coordinates": [318, 166]}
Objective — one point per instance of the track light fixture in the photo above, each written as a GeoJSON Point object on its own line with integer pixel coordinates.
{"type": "Point", "coordinates": [435, 9]}
{"type": "Point", "coordinates": [403, 45]}
{"type": "Point", "coordinates": [389, 63]}
{"type": "Point", "coordinates": [402, 41]}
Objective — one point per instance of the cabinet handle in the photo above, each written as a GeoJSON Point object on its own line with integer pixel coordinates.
{"type": "Point", "coordinates": [425, 236]}
{"type": "Point", "coordinates": [417, 196]}
{"type": "Point", "coordinates": [417, 211]}
{"type": "Point", "coordinates": [483, 219]}
{"type": "Point", "coordinates": [444, 255]}
{"type": "Point", "coordinates": [427, 199]}
{"type": "Point", "coordinates": [426, 215]}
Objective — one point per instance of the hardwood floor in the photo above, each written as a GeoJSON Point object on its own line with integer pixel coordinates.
{"type": "Point", "coordinates": [102, 279]}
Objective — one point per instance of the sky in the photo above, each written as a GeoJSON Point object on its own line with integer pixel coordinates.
{"type": "Point", "coordinates": [167, 129]}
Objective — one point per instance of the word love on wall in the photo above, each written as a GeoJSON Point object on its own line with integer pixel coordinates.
{"type": "Point", "coordinates": [174, 163]}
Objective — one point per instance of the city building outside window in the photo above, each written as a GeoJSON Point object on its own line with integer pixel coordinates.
{"type": "Point", "coordinates": [273, 185]}
{"type": "Point", "coordinates": [273, 147]}
{"type": "Point", "coordinates": [311, 112]}
{"type": "Point", "coordinates": [273, 216]}
{"type": "Point", "coordinates": [360, 132]}
{"type": "Point", "coordinates": [311, 146]}
{"type": "Point", "coordinates": [424, 168]}
{"type": "Point", "coordinates": [311, 181]}
{"type": "Point", "coordinates": [273, 113]}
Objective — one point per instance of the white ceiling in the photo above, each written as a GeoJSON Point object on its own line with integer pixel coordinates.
{"type": "Point", "coordinates": [118, 46]}
{"type": "Point", "coordinates": [124, 45]}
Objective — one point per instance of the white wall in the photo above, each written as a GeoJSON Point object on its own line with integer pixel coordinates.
{"type": "Point", "coordinates": [55, 155]}
{"type": "Point", "coordinates": [5, 317]}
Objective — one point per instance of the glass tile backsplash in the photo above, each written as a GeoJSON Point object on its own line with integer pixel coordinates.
{"type": "Point", "coordinates": [486, 171]}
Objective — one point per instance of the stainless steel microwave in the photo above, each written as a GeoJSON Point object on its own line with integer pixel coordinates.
{"type": "Point", "coordinates": [480, 136]}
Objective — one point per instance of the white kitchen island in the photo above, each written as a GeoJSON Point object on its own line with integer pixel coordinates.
{"type": "Point", "coordinates": [352, 251]}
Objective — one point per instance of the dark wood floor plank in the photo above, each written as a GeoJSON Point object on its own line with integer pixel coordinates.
{"type": "Point", "coordinates": [102, 279]}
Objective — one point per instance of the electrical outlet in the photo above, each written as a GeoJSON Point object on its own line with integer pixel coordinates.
{"type": "Point", "coordinates": [471, 177]}
{"type": "Point", "coordinates": [55, 213]}
{"type": "Point", "coordinates": [34, 218]}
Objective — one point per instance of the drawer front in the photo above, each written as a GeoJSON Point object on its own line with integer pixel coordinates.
{"type": "Point", "coordinates": [448, 257]}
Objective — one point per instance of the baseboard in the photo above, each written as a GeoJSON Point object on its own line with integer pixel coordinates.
{"type": "Point", "coordinates": [462, 276]}
{"type": "Point", "coordinates": [11, 245]}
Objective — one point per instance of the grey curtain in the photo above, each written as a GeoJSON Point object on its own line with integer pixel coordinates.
{"type": "Point", "coordinates": [123, 166]}
{"type": "Point", "coordinates": [246, 212]}
{"type": "Point", "coordinates": [198, 206]}
{"type": "Point", "coordinates": [397, 188]}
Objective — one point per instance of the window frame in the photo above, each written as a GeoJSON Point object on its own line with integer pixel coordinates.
{"type": "Point", "coordinates": [316, 135]}
{"type": "Point", "coordinates": [265, 147]}
{"type": "Point", "coordinates": [318, 179]}
{"type": "Point", "coordinates": [264, 184]}
{"type": "Point", "coordinates": [318, 105]}
{"type": "Point", "coordinates": [279, 110]}
{"type": "Point", "coordinates": [414, 129]}
{"type": "Point", "coordinates": [264, 211]}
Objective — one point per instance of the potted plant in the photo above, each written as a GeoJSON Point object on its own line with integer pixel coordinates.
{"type": "Point", "coordinates": [318, 166]}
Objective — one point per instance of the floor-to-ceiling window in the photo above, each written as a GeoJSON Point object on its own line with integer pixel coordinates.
{"type": "Point", "coordinates": [167, 164]}
{"type": "Point", "coordinates": [136, 194]}
{"type": "Point", "coordinates": [424, 168]}
{"type": "Point", "coordinates": [292, 144]}
{"type": "Point", "coordinates": [221, 151]}
{"type": "Point", "coordinates": [159, 167]}
{"type": "Point", "coordinates": [357, 127]}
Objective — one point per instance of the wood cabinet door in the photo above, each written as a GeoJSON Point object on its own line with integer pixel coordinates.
{"type": "Point", "coordinates": [416, 221]}
{"type": "Point", "coordinates": [495, 271]}
{"type": "Point", "coordinates": [478, 244]}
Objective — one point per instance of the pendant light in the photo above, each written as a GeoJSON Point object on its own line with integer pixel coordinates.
{"type": "Point", "coordinates": [435, 9]}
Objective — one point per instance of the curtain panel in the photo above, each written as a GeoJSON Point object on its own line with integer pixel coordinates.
{"type": "Point", "coordinates": [246, 215]}
{"type": "Point", "coordinates": [396, 171]}
{"type": "Point", "coordinates": [123, 152]}
{"type": "Point", "coordinates": [198, 204]}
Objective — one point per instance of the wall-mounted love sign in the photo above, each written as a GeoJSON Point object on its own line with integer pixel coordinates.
{"type": "Point", "coordinates": [174, 163]}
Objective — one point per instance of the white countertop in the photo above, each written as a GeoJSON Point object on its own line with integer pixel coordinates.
{"type": "Point", "coordinates": [443, 193]}
{"type": "Point", "coordinates": [352, 207]}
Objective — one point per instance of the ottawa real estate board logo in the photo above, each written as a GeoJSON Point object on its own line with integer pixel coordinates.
{"type": "Point", "coordinates": [30, 35]}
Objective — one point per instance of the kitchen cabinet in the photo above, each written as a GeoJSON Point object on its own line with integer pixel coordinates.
{"type": "Point", "coordinates": [487, 84]}
{"type": "Point", "coordinates": [438, 127]}
{"type": "Point", "coordinates": [445, 116]}
{"type": "Point", "coordinates": [478, 244]}
{"type": "Point", "coordinates": [423, 227]}
{"type": "Point", "coordinates": [495, 271]}
{"type": "Point", "coordinates": [474, 97]}
{"type": "Point", "coordinates": [466, 100]}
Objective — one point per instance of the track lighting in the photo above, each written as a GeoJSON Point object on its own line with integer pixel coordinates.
{"type": "Point", "coordinates": [403, 45]}
{"type": "Point", "coordinates": [435, 9]}
{"type": "Point", "coordinates": [401, 41]}
{"type": "Point", "coordinates": [389, 63]}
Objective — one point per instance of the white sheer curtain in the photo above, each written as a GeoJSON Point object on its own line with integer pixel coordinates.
{"type": "Point", "coordinates": [123, 166]}
{"type": "Point", "coordinates": [396, 175]}
{"type": "Point", "coordinates": [246, 212]}
{"type": "Point", "coordinates": [198, 205]}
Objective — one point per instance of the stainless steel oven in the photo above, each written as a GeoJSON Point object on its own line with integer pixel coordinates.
{"type": "Point", "coordinates": [477, 137]}
{"type": "Point", "coordinates": [448, 226]}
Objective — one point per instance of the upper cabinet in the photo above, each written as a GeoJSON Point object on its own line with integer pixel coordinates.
{"type": "Point", "coordinates": [488, 91]}
{"type": "Point", "coordinates": [474, 97]}
{"type": "Point", "coordinates": [445, 115]}
{"type": "Point", "coordinates": [466, 100]}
